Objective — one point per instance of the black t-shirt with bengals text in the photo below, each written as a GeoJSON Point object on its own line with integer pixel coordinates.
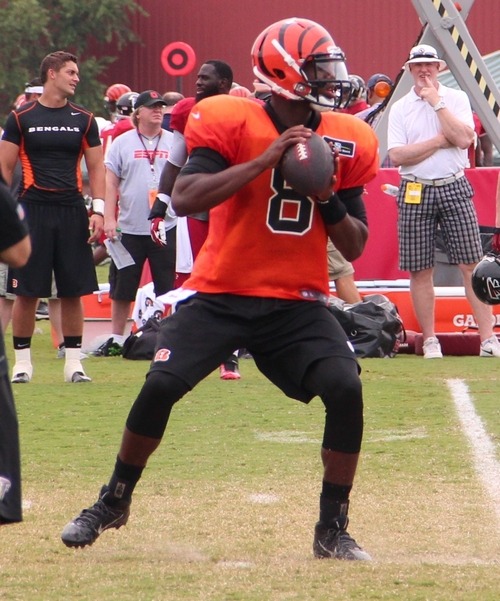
{"type": "Point", "coordinates": [51, 144]}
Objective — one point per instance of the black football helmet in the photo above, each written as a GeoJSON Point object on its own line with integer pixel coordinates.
{"type": "Point", "coordinates": [358, 87]}
{"type": "Point", "coordinates": [486, 280]}
{"type": "Point", "coordinates": [125, 104]}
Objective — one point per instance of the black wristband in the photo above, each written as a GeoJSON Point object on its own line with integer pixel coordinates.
{"type": "Point", "coordinates": [332, 210]}
{"type": "Point", "coordinates": [496, 230]}
{"type": "Point", "coordinates": [158, 209]}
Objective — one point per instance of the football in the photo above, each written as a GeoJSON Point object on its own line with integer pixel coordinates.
{"type": "Point", "coordinates": [307, 167]}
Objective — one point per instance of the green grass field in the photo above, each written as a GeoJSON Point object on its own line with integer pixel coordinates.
{"type": "Point", "coordinates": [226, 508]}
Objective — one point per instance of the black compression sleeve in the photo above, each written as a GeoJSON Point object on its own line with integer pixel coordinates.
{"type": "Point", "coordinates": [353, 200]}
{"type": "Point", "coordinates": [204, 160]}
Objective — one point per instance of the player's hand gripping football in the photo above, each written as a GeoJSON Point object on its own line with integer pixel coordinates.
{"type": "Point", "coordinates": [325, 195]}
{"type": "Point", "coordinates": [271, 157]}
{"type": "Point", "coordinates": [308, 166]}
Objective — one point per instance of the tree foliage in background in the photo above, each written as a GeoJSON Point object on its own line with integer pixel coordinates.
{"type": "Point", "coordinates": [31, 29]}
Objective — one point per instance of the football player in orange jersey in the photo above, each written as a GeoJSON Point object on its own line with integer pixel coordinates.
{"type": "Point", "coordinates": [260, 280]}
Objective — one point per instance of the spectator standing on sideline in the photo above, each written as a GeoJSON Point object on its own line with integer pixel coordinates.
{"type": "Point", "coordinates": [50, 136]}
{"type": "Point", "coordinates": [215, 77]}
{"type": "Point", "coordinates": [133, 168]}
{"type": "Point", "coordinates": [430, 130]}
{"type": "Point", "coordinates": [378, 87]}
{"type": "Point", "coordinates": [261, 280]}
{"type": "Point", "coordinates": [171, 98]}
{"type": "Point", "coordinates": [14, 251]}
{"type": "Point", "coordinates": [376, 94]}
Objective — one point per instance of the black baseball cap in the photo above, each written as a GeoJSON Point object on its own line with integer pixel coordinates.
{"type": "Point", "coordinates": [149, 98]}
{"type": "Point", "coordinates": [374, 79]}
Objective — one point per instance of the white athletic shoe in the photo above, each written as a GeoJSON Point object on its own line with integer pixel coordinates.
{"type": "Point", "coordinates": [490, 347]}
{"type": "Point", "coordinates": [73, 372]}
{"type": "Point", "coordinates": [22, 372]}
{"type": "Point", "coordinates": [432, 348]}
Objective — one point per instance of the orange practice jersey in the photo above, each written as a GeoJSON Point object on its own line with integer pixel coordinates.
{"type": "Point", "coordinates": [267, 240]}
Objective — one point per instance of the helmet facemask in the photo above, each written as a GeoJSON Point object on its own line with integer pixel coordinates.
{"type": "Point", "coordinates": [327, 80]}
{"type": "Point", "coordinates": [493, 289]}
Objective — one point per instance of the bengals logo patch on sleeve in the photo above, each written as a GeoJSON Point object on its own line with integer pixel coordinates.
{"type": "Point", "coordinates": [162, 354]}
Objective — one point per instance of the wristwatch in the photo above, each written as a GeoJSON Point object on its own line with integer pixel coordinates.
{"type": "Point", "coordinates": [440, 105]}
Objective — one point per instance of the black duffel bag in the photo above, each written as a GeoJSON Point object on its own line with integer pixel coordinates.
{"type": "Point", "coordinates": [141, 344]}
{"type": "Point", "coordinates": [373, 326]}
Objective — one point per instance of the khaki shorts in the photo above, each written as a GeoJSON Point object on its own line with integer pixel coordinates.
{"type": "Point", "coordinates": [338, 267]}
{"type": "Point", "coordinates": [4, 273]}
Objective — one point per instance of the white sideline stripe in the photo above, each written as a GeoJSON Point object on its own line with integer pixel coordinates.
{"type": "Point", "coordinates": [263, 498]}
{"type": "Point", "coordinates": [395, 435]}
{"type": "Point", "coordinates": [286, 436]}
{"type": "Point", "coordinates": [483, 449]}
{"type": "Point", "coordinates": [235, 564]}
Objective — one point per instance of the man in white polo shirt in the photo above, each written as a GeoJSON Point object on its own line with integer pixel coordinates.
{"type": "Point", "coordinates": [430, 130]}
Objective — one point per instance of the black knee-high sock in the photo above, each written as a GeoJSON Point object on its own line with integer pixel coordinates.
{"type": "Point", "coordinates": [333, 502]}
{"type": "Point", "coordinates": [124, 480]}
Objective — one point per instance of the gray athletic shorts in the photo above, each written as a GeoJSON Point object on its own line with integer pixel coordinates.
{"type": "Point", "coordinates": [451, 208]}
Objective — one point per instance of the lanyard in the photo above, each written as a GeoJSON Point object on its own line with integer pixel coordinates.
{"type": "Point", "coordinates": [151, 155]}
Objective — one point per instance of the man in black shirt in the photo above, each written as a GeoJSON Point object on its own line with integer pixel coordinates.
{"type": "Point", "coordinates": [50, 136]}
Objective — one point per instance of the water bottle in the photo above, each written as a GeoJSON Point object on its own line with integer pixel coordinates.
{"type": "Point", "coordinates": [390, 189]}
